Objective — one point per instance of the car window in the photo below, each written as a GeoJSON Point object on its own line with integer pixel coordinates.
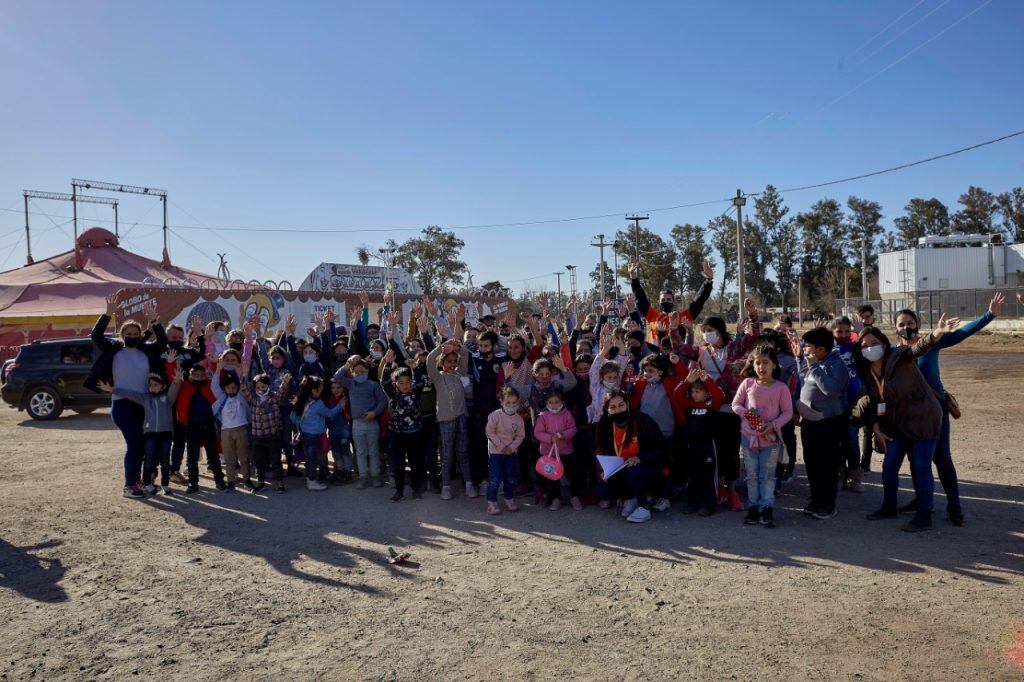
{"type": "Point", "coordinates": [76, 354]}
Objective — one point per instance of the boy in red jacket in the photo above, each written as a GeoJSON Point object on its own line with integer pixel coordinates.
{"type": "Point", "coordinates": [194, 409]}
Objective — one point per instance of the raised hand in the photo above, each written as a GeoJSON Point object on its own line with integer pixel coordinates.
{"type": "Point", "coordinates": [944, 326]}
{"type": "Point", "coordinates": [508, 368]}
{"type": "Point", "coordinates": [633, 267]}
{"type": "Point", "coordinates": [389, 357]}
{"type": "Point", "coordinates": [290, 325]}
{"type": "Point", "coordinates": [392, 318]}
{"type": "Point", "coordinates": [329, 317]}
{"type": "Point", "coordinates": [709, 270]}
{"type": "Point", "coordinates": [171, 355]}
{"type": "Point", "coordinates": [104, 386]}
{"type": "Point", "coordinates": [693, 375]}
{"type": "Point", "coordinates": [364, 299]}
{"type": "Point", "coordinates": [559, 363]}
{"type": "Point", "coordinates": [196, 325]}
{"type": "Point", "coordinates": [995, 306]}
{"type": "Point", "coordinates": [673, 357]}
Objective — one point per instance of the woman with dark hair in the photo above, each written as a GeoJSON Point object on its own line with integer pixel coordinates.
{"type": "Point", "coordinates": [907, 329]}
{"type": "Point", "coordinates": [637, 439]}
{"type": "Point", "coordinates": [126, 363]}
{"type": "Point", "coordinates": [904, 414]}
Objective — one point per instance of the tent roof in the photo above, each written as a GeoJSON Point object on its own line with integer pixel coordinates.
{"type": "Point", "coordinates": [55, 286]}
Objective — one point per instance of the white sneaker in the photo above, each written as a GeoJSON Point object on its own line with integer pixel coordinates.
{"type": "Point", "coordinates": [629, 507]}
{"type": "Point", "coordinates": [314, 485]}
{"type": "Point", "coordinates": [662, 504]}
{"type": "Point", "coordinates": [639, 516]}
{"type": "Point", "coordinates": [471, 490]}
{"type": "Point", "coordinates": [446, 492]}
{"type": "Point", "coordinates": [150, 489]}
{"type": "Point", "coordinates": [167, 490]}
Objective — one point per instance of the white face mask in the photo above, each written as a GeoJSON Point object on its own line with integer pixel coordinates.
{"type": "Point", "coordinates": [872, 353]}
{"type": "Point", "coordinates": [711, 337]}
{"type": "Point", "coordinates": [262, 392]}
{"type": "Point", "coordinates": [555, 410]}
{"type": "Point", "coordinates": [510, 409]}
{"type": "Point", "coordinates": [309, 357]}
{"type": "Point", "coordinates": [376, 354]}
{"type": "Point", "coordinates": [610, 385]}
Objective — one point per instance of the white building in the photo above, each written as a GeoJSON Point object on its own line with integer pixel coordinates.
{"type": "Point", "coordinates": [959, 261]}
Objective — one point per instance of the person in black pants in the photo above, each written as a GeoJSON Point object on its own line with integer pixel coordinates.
{"type": "Point", "coordinates": [405, 429]}
{"type": "Point", "coordinates": [696, 402]}
{"type": "Point", "coordinates": [194, 409]}
{"type": "Point", "coordinates": [824, 423]}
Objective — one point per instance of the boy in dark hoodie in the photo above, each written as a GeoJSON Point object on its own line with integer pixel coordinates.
{"type": "Point", "coordinates": [194, 409]}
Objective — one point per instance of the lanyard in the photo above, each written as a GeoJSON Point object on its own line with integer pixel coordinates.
{"type": "Point", "coordinates": [880, 383]}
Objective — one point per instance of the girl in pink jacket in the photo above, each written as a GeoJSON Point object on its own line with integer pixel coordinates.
{"type": "Point", "coordinates": [505, 432]}
{"type": "Point", "coordinates": [764, 405]}
{"type": "Point", "coordinates": [556, 427]}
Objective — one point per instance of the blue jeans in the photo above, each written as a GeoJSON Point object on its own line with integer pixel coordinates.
{"type": "Point", "coordinates": [128, 418]}
{"type": "Point", "coordinates": [341, 447]}
{"type": "Point", "coordinates": [157, 447]}
{"type": "Point", "coordinates": [311, 448]}
{"type": "Point", "coordinates": [760, 465]}
{"type": "Point", "coordinates": [921, 453]}
{"type": "Point", "coordinates": [502, 469]}
{"type": "Point", "coordinates": [366, 438]}
{"type": "Point", "coordinates": [944, 466]}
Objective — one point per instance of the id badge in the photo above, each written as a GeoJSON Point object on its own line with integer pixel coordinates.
{"type": "Point", "coordinates": [881, 409]}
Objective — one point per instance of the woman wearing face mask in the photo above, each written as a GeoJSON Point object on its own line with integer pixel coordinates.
{"type": "Point", "coordinates": [720, 354]}
{"type": "Point", "coordinates": [904, 414]}
{"type": "Point", "coordinates": [638, 440]}
{"type": "Point", "coordinates": [908, 331]}
{"type": "Point", "coordinates": [126, 363]}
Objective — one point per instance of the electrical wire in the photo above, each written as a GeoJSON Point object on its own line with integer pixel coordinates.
{"type": "Point", "coordinates": [887, 27]}
{"type": "Point", "coordinates": [232, 245]}
{"type": "Point", "coordinates": [905, 31]}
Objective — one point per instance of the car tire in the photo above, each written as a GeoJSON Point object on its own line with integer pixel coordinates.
{"type": "Point", "coordinates": [44, 403]}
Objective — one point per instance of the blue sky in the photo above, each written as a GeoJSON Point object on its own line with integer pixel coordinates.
{"type": "Point", "coordinates": [400, 115]}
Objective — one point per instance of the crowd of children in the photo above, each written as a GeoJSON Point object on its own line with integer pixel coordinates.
{"type": "Point", "coordinates": [632, 407]}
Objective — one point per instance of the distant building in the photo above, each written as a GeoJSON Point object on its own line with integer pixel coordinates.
{"type": "Point", "coordinates": [356, 278]}
{"type": "Point", "coordinates": [958, 261]}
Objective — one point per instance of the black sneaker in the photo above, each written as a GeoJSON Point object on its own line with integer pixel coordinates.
{"type": "Point", "coordinates": [279, 487]}
{"type": "Point", "coordinates": [228, 488]}
{"type": "Point", "coordinates": [222, 486]}
{"type": "Point", "coordinates": [909, 507]}
{"type": "Point", "coordinates": [753, 517]}
{"type": "Point", "coordinates": [824, 514]}
{"type": "Point", "coordinates": [249, 485]}
{"type": "Point", "coordinates": [192, 489]}
{"type": "Point", "coordinates": [865, 465]}
{"type": "Point", "coordinates": [882, 513]}
{"type": "Point", "coordinates": [921, 521]}
{"type": "Point", "coordinates": [810, 509]}
{"type": "Point", "coordinates": [778, 486]}
{"type": "Point", "coordinates": [956, 518]}
{"type": "Point", "coordinates": [692, 508]}
{"type": "Point", "coordinates": [257, 486]}
{"type": "Point", "coordinates": [398, 496]}
{"type": "Point", "coordinates": [706, 511]}
{"type": "Point", "coordinates": [293, 470]}
{"type": "Point", "coordinates": [767, 519]}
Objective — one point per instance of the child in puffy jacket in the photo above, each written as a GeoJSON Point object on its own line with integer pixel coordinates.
{"type": "Point", "coordinates": [554, 429]}
{"type": "Point", "coordinates": [505, 433]}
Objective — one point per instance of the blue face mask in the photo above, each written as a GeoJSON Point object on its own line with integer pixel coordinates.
{"type": "Point", "coordinates": [360, 378]}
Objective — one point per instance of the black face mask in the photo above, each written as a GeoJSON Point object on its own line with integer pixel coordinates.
{"type": "Point", "coordinates": [667, 306]}
{"type": "Point", "coordinates": [235, 346]}
{"type": "Point", "coordinates": [620, 419]}
{"type": "Point", "coordinates": [176, 345]}
{"type": "Point", "coordinates": [134, 342]}
{"type": "Point", "coordinates": [198, 382]}
{"type": "Point", "coordinates": [907, 333]}
{"type": "Point", "coordinates": [488, 355]}
{"type": "Point", "coordinates": [341, 357]}
{"type": "Point", "coordinates": [636, 350]}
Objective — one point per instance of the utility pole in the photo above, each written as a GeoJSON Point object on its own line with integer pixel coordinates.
{"type": "Point", "coordinates": [863, 269]}
{"type": "Point", "coordinates": [572, 287]}
{"type": "Point", "coordinates": [558, 299]}
{"type": "Point", "coordinates": [739, 202]}
{"type": "Point", "coordinates": [846, 290]}
{"type": "Point", "coordinates": [28, 236]}
{"type": "Point", "coordinates": [800, 301]}
{"type": "Point", "coordinates": [601, 244]}
{"type": "Point", "coordinates": [636, 232]}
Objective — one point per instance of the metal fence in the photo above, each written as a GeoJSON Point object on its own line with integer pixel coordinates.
{"type": "Point", "coordinates": [929, 305]}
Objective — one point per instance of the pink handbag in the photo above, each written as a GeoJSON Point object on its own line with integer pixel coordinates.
{"type": "Point", "coordinates": [550, 466]}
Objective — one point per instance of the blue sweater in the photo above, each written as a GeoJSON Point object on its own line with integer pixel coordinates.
{"type": "Point", "coordinates": [824, 385]}
{"type": "Point", "coordinates": [929, 363]}
{"type": "Point", "coordinates": [314, 417]}
{"type": "Point", "coordinates": [363, 397]}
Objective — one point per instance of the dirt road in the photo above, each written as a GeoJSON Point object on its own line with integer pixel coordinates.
{"type": "Point", "coordinates": [95, 586]}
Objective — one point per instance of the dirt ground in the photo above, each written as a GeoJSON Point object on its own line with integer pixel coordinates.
{"type": "Point", "coordinates": [95, 586]}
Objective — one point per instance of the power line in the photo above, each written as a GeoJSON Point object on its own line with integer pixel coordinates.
{"type": "Point", "coordinates": [906, 30]}
{"type": "Point", "coordinates": [887, 27]}
{"type": "Point", "coordinates": [891, 169]}
{"type": "Point", "coordinates": [905, 56]}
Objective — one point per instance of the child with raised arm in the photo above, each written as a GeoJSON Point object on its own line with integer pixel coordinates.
{"type": "Point", "coordinates": [696, 402]}
{"type": "Point", "coordinates": [404, 427]}
{"type": "Point", "coordinates": [367, 403]}
{"type": "Point", "coordinates": [505, 432]}
{"type": "Point", "coordinates": [265, 424]}
{"type": "Point", "coordinates": [232, 409]}
{"type": "Point", "coordinates": [310, 417]}
{"type": "Point", "coordinates": [446, 365]}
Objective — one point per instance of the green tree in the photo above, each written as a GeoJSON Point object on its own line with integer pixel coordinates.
{"type": "Point", "coordinates": [821, 236]}
{"type": "Point", "coordinates": [786, 258]}
{"type": "Point", "coordinates": [864, 222]}
{"type": "Point", "coordinates": [780, 240]}
{"type": "Point", "coordinates": [979, 209]}
{"type": "Point", "coordinates": [657, 260]}
{"type": "Point", "coordinates": [433, 259]}
{"type": "Point", "coordinates": [1011, 210]}
{"type": "Point", "coordinates": [922, 218]}
{"type": "Point", "coordinates": [691, 250]}
{"type": "Point", "coordinates": [723, 239]}
{"type": "Point", "coordinates": [595, 278]}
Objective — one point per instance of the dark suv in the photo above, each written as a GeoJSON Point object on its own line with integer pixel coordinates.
{"type": "Point", "coordinates": [48, 376]}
